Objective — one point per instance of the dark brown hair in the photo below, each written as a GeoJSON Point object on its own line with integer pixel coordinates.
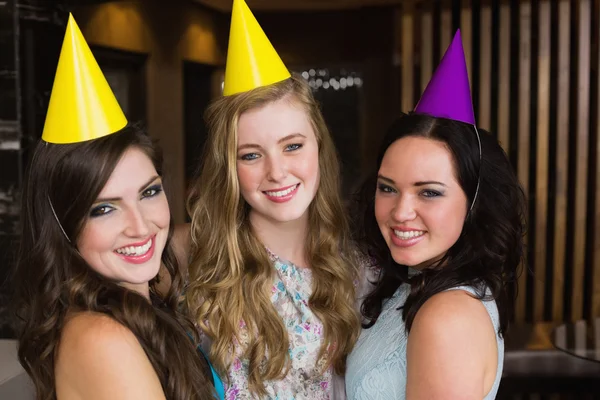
{"type": "Point", "coordinates": [488, 253]}
{"type": "Point", "coordinates": [51, 278]}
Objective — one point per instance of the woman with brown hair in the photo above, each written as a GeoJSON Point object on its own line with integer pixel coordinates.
{"type": "Point", "coordinates": [95, 229]}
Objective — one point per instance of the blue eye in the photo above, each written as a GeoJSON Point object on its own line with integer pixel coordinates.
{"type": "Point", "coordinates": [292, 147]}
{"type": "Point", "coordinates": [249, 157]}
{"type": "Point", "coordinates": [152, 191]}
{"type": "Point", "coordinates": [101, 210]}
{"type": "Point", "coordinates": [429, 193]}
{"type": "Point", "coordinates": [385, 188]}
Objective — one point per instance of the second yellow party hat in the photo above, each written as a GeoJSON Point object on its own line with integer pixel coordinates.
{"type": "Point", "coordinates": [251, 59]}
{"type": "Point", "coordinates": [82, 105]}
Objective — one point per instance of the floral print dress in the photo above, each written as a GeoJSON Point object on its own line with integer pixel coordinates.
{"type": "Point", "coordinates": [291, 290]}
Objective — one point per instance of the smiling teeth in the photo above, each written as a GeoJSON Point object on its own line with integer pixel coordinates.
{"type": "Point", "coordinates": [282, 193]}
{"type": "Point", "coordinates": [408, 235]}
{"type": "Point", "coordinates": [135, 250]}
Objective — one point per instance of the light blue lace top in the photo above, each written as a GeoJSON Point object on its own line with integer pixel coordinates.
{"type": "Point", "coordinates": [376, 367]}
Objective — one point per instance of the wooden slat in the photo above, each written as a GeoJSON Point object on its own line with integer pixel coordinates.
{"type": "Point", "coordinates": [426, 45]}
{"type": "Point", "coordinates": [504, 78]}
{"type": "Point", "coordinates": [446, 33]}
{"type": "Point", "coordinates": [583, 90]}
{"type": "Point", "coordinates": [562, 152]}
{"type": "Point", "coordinates": [596, 259]}
{"type": "Point", "coordinates": [524, 121]}
{"type": "Point", "coordinates": [466, 31]}
{"type": "Point", "coordinates": [485, 68]}
{"type": "Point", "coordinates": [543, 124]}
{"type": "Point", "coordinates": [407, 39]}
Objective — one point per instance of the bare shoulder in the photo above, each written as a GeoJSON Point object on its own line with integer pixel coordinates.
{"type": "Point", "coordinates": [86, 333]}
{"type": "Point", "coordinates": [98, 358]}
{"type": "Point", "coordinates": [451, 318]}
{"type": "Point", "coordinates": [454, 334]}
{"type": "Point", "coordinates": [452, 309]}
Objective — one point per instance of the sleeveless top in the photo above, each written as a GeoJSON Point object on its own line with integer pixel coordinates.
{"type": "Point", "coordinates": [376, 368]}
{"type": "Point", "coordinates": [292, 287]}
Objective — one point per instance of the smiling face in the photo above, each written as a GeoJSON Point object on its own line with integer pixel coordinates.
{"type": "Point", "coordinates": [419, 205]}
{"type": "Point", "coordinates": [125, 233]}
{"type": "Point", "coordinates": [277, 161]}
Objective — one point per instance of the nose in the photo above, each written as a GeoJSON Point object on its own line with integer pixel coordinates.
{"type": "Point", "coordinates": [404, 209]}
{"type": "Point", "coordinates": [276, 169]}
{"type": "Point", "coordinates": [137, 225]}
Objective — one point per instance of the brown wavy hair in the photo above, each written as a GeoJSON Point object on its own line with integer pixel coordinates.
{"type": "Point", "coordinates": [52, 278]}
{"type": "Point", "coordinates": [230, 271]}
{"type": "Point", "coordinates": [489, 251]}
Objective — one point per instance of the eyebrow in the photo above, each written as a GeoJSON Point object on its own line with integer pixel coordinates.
{"type": "Point", "coordinates": [113, 199]}
{"type": "Point", "coordinates": [283, 139]}
{"type": "Point", "coordinates": [419, 183]}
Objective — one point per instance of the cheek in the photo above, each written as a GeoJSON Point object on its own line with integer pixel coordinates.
{"type": "Point", "coordinates": [448, 220]}
{"type": "Point", "coordinates": [162, 212]}
{"type": "Point", "coordinates": [247, 177]}
{"type": "Point", "coordinates": [308, 168]}
{"type": "Point", "coordinates": [383, 208]}
{"type": "Point", "coordinates": [95, 239]}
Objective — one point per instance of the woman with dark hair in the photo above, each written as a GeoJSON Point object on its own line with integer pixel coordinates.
{"type": "Point", "coordinates": [443, 220]}
{"type": "Point", "coordinates": [95, 229]}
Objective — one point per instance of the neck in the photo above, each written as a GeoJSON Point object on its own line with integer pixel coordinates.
{"type": "Point", "coordinates": [141, 288]}
{"type": "Point", "coordinates": [286, 239]}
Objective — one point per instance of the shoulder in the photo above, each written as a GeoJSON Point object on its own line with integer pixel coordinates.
{"type": "Point", "coordinates": [453, 308]}
{"type": "Point", "coordinates": [99, 358]}
{"type": "Point", "coordinates": [453, 333]}
{"type": "Point", "coordinates": [90, 330]}
{"type": "Point", "coordinates": [452, 317]}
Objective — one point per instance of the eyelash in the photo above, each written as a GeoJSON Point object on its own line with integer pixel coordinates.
{"type": "Point", "coordinates": [155, 188]}
{"type": "Point", "coordinates": [147, 193]}
{"type": "Point", "coordinates": [296, 146]}
{"type": "Point", "coordinates": [288, 148]}
{"type": "Point", "coordinates": [427, 193]}
{"type": "Point", "coordinates": [249, 157]}
{"type": "Point", "coordinates": [96, 211]}
{"type": "Point", "coordinates": [385, 188]}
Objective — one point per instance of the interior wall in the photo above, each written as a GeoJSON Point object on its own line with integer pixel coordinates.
{"type": "Point", "coordinates": [169, 35]}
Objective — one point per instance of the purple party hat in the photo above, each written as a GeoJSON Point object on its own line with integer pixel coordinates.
{"type": "Point", "coordinates": [448, 94]}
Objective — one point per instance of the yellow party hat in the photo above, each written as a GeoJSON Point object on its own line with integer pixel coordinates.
{"type": "Point", "coordinates": [251, 59]}
{"type": "Point", "coordinates": [82, 105]}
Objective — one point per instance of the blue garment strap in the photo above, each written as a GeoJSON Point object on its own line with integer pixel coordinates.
{"type": "Point", "coordinates": [219, 388]}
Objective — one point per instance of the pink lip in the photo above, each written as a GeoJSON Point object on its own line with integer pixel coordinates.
{"type": "Point", "coordinates": [405, 242]}
{"type": "Point", "coordinates": [138, 243]}
{"type": "Point", "coordinates": [143, 258]}
{"type": "Point", "coordinates": [280, 189]}
{"type": "Point", "coordinates": [285, 198]}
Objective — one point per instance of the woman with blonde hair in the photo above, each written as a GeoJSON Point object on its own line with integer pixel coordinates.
{"type": "Point", "coordinates": [271, 274]}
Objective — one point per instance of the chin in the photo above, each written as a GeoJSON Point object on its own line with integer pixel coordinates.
{"type": "Point", "coordinates": [286, 218]}
{"type": "Point", "coordinates": [402, 259]}
{"type": "Point", "coordinates": [287, 215]}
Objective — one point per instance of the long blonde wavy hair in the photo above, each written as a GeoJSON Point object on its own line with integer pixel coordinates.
{"type": "Point", "coordinates": [230, 271]}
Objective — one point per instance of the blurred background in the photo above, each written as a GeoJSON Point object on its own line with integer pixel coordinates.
{"type": "Point", "coordinates": [534, 72]}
